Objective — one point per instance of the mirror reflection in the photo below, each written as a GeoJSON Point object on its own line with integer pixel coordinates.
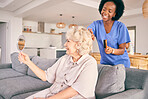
{"type": "Point", "coordinates": [21, 43]}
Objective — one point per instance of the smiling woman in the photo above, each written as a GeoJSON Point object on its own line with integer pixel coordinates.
{"type": "Point", "coordinates": [70, 73]}
{"type": "Point", "coordinates": [113, 31]}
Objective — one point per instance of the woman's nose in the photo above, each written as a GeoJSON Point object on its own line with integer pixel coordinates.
{"type": "Point", "coordinates": [65, 44]}
{"type": "Point", "coordinates": [105, 12]}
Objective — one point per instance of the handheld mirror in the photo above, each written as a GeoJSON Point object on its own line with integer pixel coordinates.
{"type": "Point", "coordinates": [21, 43]}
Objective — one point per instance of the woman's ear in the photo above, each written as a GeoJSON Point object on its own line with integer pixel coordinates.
{"type": "Point", "coordinates": [78, 45]}
{"type": "Point", "coordinates": [114, 14]}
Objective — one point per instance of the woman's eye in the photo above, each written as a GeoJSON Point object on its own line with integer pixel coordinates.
{"type": "Point", "coordinates": [103, 9]}
{"type": "Point", "coordinates": [110, 11]}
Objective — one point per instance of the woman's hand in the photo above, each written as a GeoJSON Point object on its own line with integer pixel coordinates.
{"type": "Point", "coordinates": [92, 35]}
{"type": "Point", "coordinates": [23, 58]}
{"type": "Point", "coordinates": [108, 50]}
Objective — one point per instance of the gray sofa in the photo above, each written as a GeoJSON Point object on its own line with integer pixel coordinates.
{"type": "Point", "coordinates": [17, 81]}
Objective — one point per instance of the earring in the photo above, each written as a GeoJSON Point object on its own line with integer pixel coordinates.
{"type": "Point", "coordinates": [77, 51]}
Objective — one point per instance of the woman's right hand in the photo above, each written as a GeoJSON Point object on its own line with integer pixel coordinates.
{"type": "Point", "coordinates": [92, 35]}
{"type": "Point", "coordinates": [24, 58]}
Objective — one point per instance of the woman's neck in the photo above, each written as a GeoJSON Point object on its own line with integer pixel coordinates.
{"type": "Point", "coordinates": [75, 58]}
{"type": "Point", "coordinates": [108, 25]}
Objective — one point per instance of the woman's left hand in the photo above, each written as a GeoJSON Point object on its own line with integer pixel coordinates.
{"type": "Point", "coordinates": [108, 50]}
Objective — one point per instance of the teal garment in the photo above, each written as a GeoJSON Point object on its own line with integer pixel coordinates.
{"type": "Point", "coordinates": [119, 34]}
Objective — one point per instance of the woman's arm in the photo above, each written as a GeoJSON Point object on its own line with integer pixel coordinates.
{"type": "Point", "coordinates": [26, 60]}
{"type": "Point", "coordinates": [119, 51]}
{"type": "Point", "coordinates": [65, 94]}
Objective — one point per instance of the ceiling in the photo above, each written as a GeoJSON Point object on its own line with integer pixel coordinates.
{"type": "Point", "coordinates": [85, 11]}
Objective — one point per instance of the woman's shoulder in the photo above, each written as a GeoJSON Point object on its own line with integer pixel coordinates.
{"type": "Point", "coordinates": [120, 24]}
{"type": "Point", "coordinates": [90, 62]}
{"type": "Point", "coordinates": [98, 22]}
{"type": "Point", "coordinates": [64, 57]}
{"type": "Point", "coordinates": [91, 59]}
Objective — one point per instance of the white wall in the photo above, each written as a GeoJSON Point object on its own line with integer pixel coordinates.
{"type": "Point", "coordinates": [14, 30]}
{"type": "Point", "coordinates": [95, 47]}
{"type": "Point", "coordinates": [49, 26]}
{"type": "Point", "coordinates": [41, 40]}
{"type": "Point", "coordinates": [141, 32]}
{"type": "Point", "coordinates": [36, 40]}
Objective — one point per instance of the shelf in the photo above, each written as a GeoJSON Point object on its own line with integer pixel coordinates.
{"type": "Point", "coordinates": [43, 33]}
{"type": "Point", "coordinates": [28, 32]}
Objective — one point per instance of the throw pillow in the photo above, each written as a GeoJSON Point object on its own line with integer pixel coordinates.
{"type": "Point", "coordinates": [16, 65]}
{"type": "Point", "coordinates": [110, 80]}
{"type": "Point", "coordinates": [42, 63]}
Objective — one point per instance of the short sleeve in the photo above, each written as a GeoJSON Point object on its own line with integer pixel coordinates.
{"type": "Point", "coordinates": [92, 26]}
{"type": "Point", "coordinates": [51, 71]}
{"type": "Point", "coordinates": [86, 82]}
{"type": "Point", "coordinates": [123, 35]}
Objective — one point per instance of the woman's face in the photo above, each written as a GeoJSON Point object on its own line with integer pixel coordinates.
{"type": "Point", "coordinates": [108, 11]}
{"type": "Point", "coordinates": [70, 47]}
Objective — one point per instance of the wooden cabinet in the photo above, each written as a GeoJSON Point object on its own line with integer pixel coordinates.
{"type": "Point", "coordinates": [137, 61]}
{"type": "Point", "coordinates": [97, 56]}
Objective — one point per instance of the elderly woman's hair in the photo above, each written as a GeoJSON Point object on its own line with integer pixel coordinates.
{"type": "Point", "coordinates": [119, 7]}
{"type": "Point", "coordinates": [83, 37]}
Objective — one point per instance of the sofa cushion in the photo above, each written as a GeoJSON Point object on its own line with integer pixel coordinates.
{"type": "Point", "coordinates": [42, 63]}
{"type": "Point", "coordinates": [21, 85]}
{"type": "Point", "coordinates": [129, 94]}
{"type": "Point", "coordinates": [8, 73]}
{"type": "Point", "coordinates": [6, 65]}
{"type": "Point", "coordinates": [20, 67]}
{"type": "Point", "coordinates": [110, 80]}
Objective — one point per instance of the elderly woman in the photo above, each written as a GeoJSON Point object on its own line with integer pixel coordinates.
{"type": "Point", "coordinates": [74, 75]}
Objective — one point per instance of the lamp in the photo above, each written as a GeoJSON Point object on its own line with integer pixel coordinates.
{"type": "Point", "coordinates": [145, 9]}
{"type": "Point", "coordinates": [60, 24]}
{"type": "Point", "coordinates": [73, 25]}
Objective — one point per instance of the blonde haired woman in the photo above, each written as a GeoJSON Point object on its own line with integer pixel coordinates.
{"type": "Point", "coordinates": [74, 75]}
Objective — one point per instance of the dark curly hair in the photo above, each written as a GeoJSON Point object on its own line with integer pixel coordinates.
{"type": "Point", "coordinates": [119, 8]}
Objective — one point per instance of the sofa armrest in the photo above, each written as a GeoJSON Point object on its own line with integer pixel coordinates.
{"type": "Point", "coordinates": [128, 94]}
{"type": "Point", "coordinates": [7, 65]}
{"type": "Point", "coordinates": [135, 78]}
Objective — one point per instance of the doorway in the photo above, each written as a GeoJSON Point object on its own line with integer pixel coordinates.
{"type": "Point", "coordinates": [3, 30]}
{"type": "Point", "coordinates": [132, 33]}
